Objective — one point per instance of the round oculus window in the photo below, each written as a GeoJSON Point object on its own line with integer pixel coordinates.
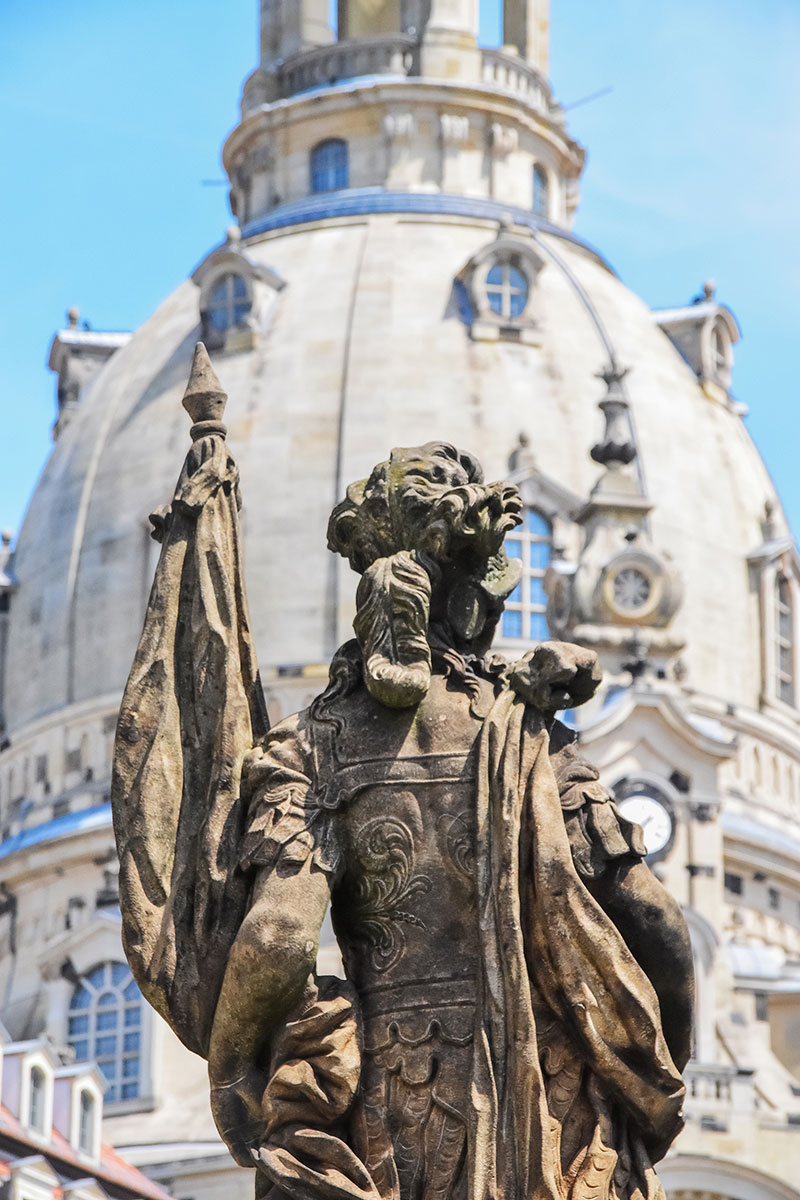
{"type": "Point", "coordinates": [631, 589]}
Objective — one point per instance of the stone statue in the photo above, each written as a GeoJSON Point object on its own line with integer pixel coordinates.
{"type": "Point", "coordinates": [518, 993]}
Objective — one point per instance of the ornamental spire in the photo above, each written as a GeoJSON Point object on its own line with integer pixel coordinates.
{"type": "Point", "coordinates": [204, 399]}
{"type": "Point", "coordinates": [617, 447]}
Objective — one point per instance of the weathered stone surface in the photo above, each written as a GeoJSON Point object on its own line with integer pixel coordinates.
{"type": "Point", "coordinates": [519, 985]}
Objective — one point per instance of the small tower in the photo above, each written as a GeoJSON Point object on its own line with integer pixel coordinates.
{"type": "Point", "coordinates": [403, 100]}
{"type": "Point", "coordinates": [621, 594]}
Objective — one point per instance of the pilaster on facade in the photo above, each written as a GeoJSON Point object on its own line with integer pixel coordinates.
{"type": "Point", "coordinates": [526, 27]}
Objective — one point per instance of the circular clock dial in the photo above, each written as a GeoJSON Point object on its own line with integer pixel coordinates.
{"type": "Point", "coordinates": [631, 589]}
{"type": "Point", "coordinates": [652, 816]}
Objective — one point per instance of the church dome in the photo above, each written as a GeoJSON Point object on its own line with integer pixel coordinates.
{"type": "Point", "coordinates": [366, 338]}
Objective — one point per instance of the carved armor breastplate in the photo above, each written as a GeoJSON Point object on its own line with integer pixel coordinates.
{"type": "Point", "coordinates": [405, 915]}
{"type": "Point", "coordinates": [404, 910]}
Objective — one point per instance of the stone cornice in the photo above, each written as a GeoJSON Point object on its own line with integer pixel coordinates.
{"type": "Point", "coordinates": [480, 98]}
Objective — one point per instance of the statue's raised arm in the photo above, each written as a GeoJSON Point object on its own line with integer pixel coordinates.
{"type": "Point", "coordinates": [517, 1003]}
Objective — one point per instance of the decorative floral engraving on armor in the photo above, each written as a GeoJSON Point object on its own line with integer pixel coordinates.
{"type": "Point", "coordinates": [385, 850]}
{"type": "Point", "coordinates": [460, 842]}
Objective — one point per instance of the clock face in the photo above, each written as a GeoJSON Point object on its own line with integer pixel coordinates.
{"type": "Point", "coordinates": [631, 589]}
{"type": "Point", "coordinates": [652, 816]}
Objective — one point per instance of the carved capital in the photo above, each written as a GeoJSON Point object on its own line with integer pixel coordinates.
{"type": "Point", "coordinates": [504, 139]}
{"type": "Point", "coordinates": [454, 129]}
{"type": "Point", "coordinates": [399, 126]}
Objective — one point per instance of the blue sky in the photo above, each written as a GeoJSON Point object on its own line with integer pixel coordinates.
{"type": "Point", "coordinates": [112, 115]}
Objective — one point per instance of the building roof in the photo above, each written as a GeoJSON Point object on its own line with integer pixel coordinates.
{"type": "Point", "coordinates": [67, 825]}
{"type": "Point", "coordinates": [118, 1177]}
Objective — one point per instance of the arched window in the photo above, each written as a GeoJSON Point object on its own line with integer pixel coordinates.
{"type": "Point", "coordinates": [36, 1100]}
{"type": "Point", "coordinates": [524, 616]}
{"type": "Point", "coordinates": [541, 191]}
{"type": "Point", "coordinates": [86, 1127]}
{"type": "Point", "coordinates": [329, 170]}
{"type": "Point", "coordinates": [784, 640]}
{"type": "Point", "coordinates": [228, 303]}
{"type": "Point", "coordinates": [105, 1026]}
{"type": "Point", "coordinates": [507, 289]}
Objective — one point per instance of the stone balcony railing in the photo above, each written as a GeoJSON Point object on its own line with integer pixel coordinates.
{"type": "Point", "coordinates": [512, 74]}
{"type": "Point", "coordinates": [717, 1091]}
{"type": "Point", "coordinates": [708, 1084]}
{"type": "Point", "coordinates": [381, 55]}
{"type": "Point", "coordinates": [390, 55]}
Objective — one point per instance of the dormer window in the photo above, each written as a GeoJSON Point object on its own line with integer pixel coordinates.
{"type": "Point", "coordinates": [329, 166]}
{"type": "Point", "coordinates": [236, 294]}
{"type": "Point", "coordinates": [229, 303]}
{"type": "Point", "coordinates": [775, 568]}
{"type": "Point", "coordinates": [87, 1125]}
{"type": "Point", "coordinates": [704, 333]}
{"type": "Point", "coordinates": [784, 640]}
{"type": "Point", "coordinates": [507, 290]}
{"type": "Point", "coordinates": [225, 308]}
{"type": "Point", "coordinates": [721, 354]}
{"type": "Point", "coordinates": [37, 1100]}
{"type": "Point", "coordinates": [497, 288]}
{"type": "Point", "coordinates": [541, 191]}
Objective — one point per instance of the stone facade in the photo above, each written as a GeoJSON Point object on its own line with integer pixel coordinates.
{"type": "Point", "coordinates": [407, 272]}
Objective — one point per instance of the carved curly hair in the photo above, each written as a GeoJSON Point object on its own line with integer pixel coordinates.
{"type": "Point", "coordinates": [426, 535]}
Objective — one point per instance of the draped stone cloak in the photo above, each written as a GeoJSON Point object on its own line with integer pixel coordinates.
{"type": "Point", "coordinates": [192, 707]}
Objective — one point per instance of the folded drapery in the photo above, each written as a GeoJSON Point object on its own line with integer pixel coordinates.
{"type": "Point", "coordinates": [315, 1068]}
{"type": "Point", "coordinates": [192, 707]}
{"type": "Point", "coordinates": [548, 948]}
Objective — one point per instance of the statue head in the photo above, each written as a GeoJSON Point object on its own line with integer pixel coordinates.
{"type": "Point", "coordinates": [426, 535]}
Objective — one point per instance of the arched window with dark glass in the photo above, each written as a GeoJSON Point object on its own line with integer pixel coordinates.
{"type": "Point", "coordinates": [524, 617]}
{"type": "Point", "coordinates": [105, 1026]}
{"type": "Point", "coordinates": [36, 1100]}
{"type": "Point", "coordinates": [228, 303]}
{"type": "Point", "coordinates": [541, 191]}
{"type": "Point", "coordinates": [329, 169]}
{"type": "Point", "coordinates": [784, 640]}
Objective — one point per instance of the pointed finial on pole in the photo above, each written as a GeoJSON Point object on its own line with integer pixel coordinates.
{"type": "Point", "coordinates": [204, 399]}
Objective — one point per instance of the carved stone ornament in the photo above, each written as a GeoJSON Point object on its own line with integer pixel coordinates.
{"type": "Point", "coordinates": [516, 1008]}
{"type": "Point", "coordinates": [400, 126]}
{"type": "Point", "coordinates": [454, 128]}
{"type": "Point", "coordinates": [504, 139]}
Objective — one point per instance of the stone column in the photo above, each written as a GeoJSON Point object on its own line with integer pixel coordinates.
{"type": "Point", "coordinates": [360, 18]}
{"type": "Point", "coordinates": [460, 16]}
{"type": "Point", "coordinates": [526, 25]}
{"type": "Point", "coordinates": [450, 44]}
{"type": "Point", "coordinates": [289, 26]}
